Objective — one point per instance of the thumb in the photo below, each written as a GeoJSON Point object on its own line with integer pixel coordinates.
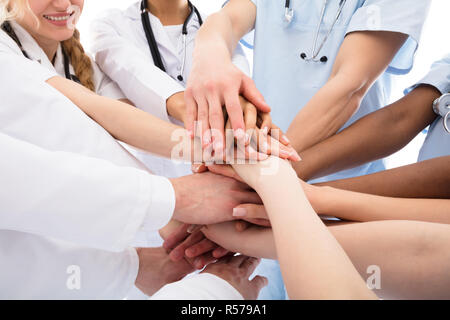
{"type": "Point", "coordinates": [259, 282]}
{"type": "Point", "coordinates": [250, 211]}
{"type": "Point", "coordinates": [199, 168]}
{"type": "Point", "coordinates": [252, 94]}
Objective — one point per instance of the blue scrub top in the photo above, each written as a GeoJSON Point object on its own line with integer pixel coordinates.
{"type": "Point", "coordinates": [437, 142]}
{"type": "Point", "coordinates": [288, 82]}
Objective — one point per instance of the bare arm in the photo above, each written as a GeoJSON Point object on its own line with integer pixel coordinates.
{"type": "Point", "coordinates": [294, 221]}
{"type": "Point", "coordinates": [123, 121]}
{"type": "Point", "coordinates": [362, 207]}
{"type": "Point", "coordinates": [214, 80]}
{"type": "Point", "coordinates": [362, 58]}
{"type": "Point", "coordinates": [426, 179]}
{"type": "Point", "coordinates": [385, 131]}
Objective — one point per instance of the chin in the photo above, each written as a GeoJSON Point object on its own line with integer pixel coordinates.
{"type": "Point", "coordinates": [59, 35]}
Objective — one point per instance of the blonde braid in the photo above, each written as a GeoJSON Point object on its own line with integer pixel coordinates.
{"type": "Point", "coordinates": [80, 61]}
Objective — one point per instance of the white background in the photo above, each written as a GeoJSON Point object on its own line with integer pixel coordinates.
{"type": "Point", "coordinates": [435, 43]}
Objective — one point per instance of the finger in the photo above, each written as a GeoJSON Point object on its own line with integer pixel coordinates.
{"type": "Point", "coordinates": [203, 119]}
{"type": "Point", "coordinates": [266, 122]}
{"type": "Point", "coordinates": [259, 222]}
{"type": "Point", "coordinates": [199, 168]}
{"type": "Point", "coordinates": [252, 94]}
{"type": "Point", "coordinates": [250, 211]}
{"type": "Point", "coordinates": [177, 254]}
{"type": "Point", "coordinates": [249, 265]}
{"type": "Point", "coordinates": [250, 117]}
{"type": "Point", "coordinates": [191, 112]}
{"type": "Point", "coordinates": [236, 261]}
{"type": "Point", "coordinates": [258, 283]}
{"type": "Point", "coordinates": [179, 235]}
{"type": "Point", "coordinates": [241, 225]}
{"type": "Point", "coordinates": [280, 150]}
{"type": "Point", "coordinates": [219, 252]}
{"type": "Point", "coordinates": [200, 248]}
{"type": "Point", "coordinates": [235, 115]}
{"type": "Point", "coordinates": [204, 260]}
{"type": "Point", "coordinates": [225, 170]}
{"type": "Point", "coordinates": [246, 197]}
{"type": "Point", "coordinates": [280, 136]}
{"type": "Point", "coordinates": [216, 121]}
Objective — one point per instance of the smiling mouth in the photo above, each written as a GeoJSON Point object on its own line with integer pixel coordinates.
{"type": "Point", "coordinates": [59, 17]}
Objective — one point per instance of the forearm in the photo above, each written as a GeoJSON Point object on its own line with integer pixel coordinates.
{"type": "Point", "coordinates": [222, 31]}
{"type": "Point", "coordinates": [385, 131]}
{"type": "Point", "coordinates": [324, 114]}
{"type": "Point", "coordinates": [362, 58]}
{"type": "Point", "coordinates": [216, 34]}
{"type": "Point", "coordinates": [426, 179]}
{"type": "Point", "coordinates": [412, 257]}
{"type": "Point", "coordinates": [294, 222]}
{"type": "Point", "coordinates": [124, 122]}
{"type": "Point", "coordinates": [361, 207]}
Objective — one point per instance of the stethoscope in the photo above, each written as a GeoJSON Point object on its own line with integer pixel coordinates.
{"type": "Point", "coordinates": [441, 107]}
{"type": "Point", "coordinates": [289, 15]}
{"type": "Point", "coordinates": [152, 41]}
{"type": "Point", "coordinates": [12, 34]}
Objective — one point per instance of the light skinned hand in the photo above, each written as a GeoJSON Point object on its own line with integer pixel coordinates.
{"type": "Point", "coordinates": [195, 247]}
{"type": "Point", "coordinates": [156, 270]}
{"type": "Point", "coordinates": [209, 198]}
{"type": "Point", "coordinates": [206, 94]}
{"type": "Point", "coordinates": [236, 270]}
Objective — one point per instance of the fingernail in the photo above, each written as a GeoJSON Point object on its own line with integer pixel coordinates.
{"type": "Point", "coordinates": [285, 139]}
{"type": "Point", "coordinates": [190, 133]}
{"type": "Point", "coordinates": [265, 130]}
{"type": "Point", "coordinates": [239, 212]}
{"type": "Point", "coordinates": [193, 228]}
{"type": "Point", "coordinates": [239, 134]}
{"type": "Point", "coordinates": [190, 252]}
{"type": "Point", "coordinates": [285, 153]}
{"type": "Point", "coordinates": [297, 156]}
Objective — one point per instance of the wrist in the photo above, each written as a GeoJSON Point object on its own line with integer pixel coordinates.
{"type": "Point", "coordinates": [180, 198]}
{"type": "Point", "coordinates": [176, 106]}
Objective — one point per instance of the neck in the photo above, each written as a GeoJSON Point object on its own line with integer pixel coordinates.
{"type": "Point", "coordinates": [169, 12]}
{"type": "Point", "coordinates": [49, 46]}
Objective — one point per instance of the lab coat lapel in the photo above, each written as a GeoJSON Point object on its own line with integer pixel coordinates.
{"type": "Point", "coordinates": [30, 45]}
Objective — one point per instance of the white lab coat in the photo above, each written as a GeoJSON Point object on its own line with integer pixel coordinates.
{"type": "Point", "coordinates": [122, 52]}
{"type": "Point", "coordinates": [35, 113]}
{"type": "Point", "coordinates": [71, 195]}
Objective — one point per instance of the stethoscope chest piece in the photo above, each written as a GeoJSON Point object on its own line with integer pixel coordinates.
{"type": "Point", "coordinates": [441, 107]}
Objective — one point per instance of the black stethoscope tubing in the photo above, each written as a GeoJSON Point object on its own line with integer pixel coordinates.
{"type": "Point", "coordinates": [10, 32]}
{"type": "Point", "coordinates": [151, 40]}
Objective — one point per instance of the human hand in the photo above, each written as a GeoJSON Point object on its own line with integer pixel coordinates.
{"type": "Point", "coordinates": [206, 93]}
{"type": "Point", "coordinates": [193, 246]}
{"type": "Point", "coordinates": [209, 198]}
{"type": "Point", "coordinates": [156, 270]}
{"type": "Point", "coordinates": [253, 240]}
{"type": "Point", "coordinates": [236, 271]}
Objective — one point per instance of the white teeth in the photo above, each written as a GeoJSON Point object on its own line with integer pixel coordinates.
{"type": "Point", "coordinates": [57, 18]}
